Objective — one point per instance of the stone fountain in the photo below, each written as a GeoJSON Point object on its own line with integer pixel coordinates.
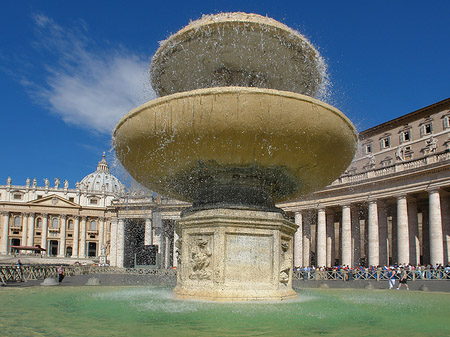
{"type": "Point", "coordinates": [234, 131]}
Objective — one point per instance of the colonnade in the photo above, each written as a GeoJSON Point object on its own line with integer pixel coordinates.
{"type": "Point", "coordinates": [156, 233]}
{"type": "Point", "coordinates": [404, 229]}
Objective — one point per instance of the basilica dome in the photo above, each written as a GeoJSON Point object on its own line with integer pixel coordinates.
{"type": "Point", "coordinates": [101, 180]}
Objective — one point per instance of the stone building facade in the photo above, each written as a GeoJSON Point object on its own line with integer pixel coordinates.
{"type": "Point", "coordinates": [73, 223]}
{"type": "Point", "coordinates": [391, 205]}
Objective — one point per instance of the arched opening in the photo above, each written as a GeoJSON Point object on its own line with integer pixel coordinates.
{"type": "Point", "coordinates": [69, 251]}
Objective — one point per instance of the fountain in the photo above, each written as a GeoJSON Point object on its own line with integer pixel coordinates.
{"type": "Point", "coordinates": [234, 131]}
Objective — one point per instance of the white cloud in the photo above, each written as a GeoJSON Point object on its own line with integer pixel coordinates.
{"type": "Point", "coordinates": [84, 86]}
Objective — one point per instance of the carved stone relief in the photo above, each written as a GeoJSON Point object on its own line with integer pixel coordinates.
{"type": "Point", "coordinates": [200, 258]}
{"type": "Point", "coordinates": [285, 262]}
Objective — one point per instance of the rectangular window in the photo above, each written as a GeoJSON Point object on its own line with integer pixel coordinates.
{"type": "Point", "coordinates": [406, 136]}
{"type": "Point", "coordinates": [39, 196]}
{"type": "Point", "coordinates": [446, 122]}
{"type": "Point", "coordinates": [69, 235]}
{"type": "Point", "coordinates": [93, 201]}
{"type": "Point", "coordinates": [386, 142]}
{"type": "Point", "coordinates": [426, 129]}
{"type": "Point", "coordinates": [368, 149]}
{"type": "Point", "coordinates": [17, 196]}
{"type": "Point", "coordinates": [71, 199]}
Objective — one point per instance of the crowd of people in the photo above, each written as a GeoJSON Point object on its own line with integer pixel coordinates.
{"type": "Point", "coordinates": [395, 271]}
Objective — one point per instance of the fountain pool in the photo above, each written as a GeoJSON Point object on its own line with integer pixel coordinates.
{"type": "Point", "coordinates": [153, 311]}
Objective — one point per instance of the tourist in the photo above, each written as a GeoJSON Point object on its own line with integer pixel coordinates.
{"type": "Point", "coordinates": [19, 270]}
{"type": "Point", "coordinates": [391, 275]}
{"type": "Point", "coordinates": [60, 274]}
{"type": "Point", "coordinates": [403, 279]}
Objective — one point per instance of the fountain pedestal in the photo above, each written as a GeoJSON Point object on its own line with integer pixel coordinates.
{"type": "Point", "coordinates": [235, 255]}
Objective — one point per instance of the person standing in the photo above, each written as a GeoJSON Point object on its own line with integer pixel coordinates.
{"type": "Point", "coordinates": [391, 276]}
{"type": "Point", "coordinates": [403, 279]}
{"type": "Point", "coordinates": [60, 274]}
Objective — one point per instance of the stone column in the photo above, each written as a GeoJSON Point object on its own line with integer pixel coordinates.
{"type": "Point", "coordinates": [24, 228]}
{"type": "Point", "coordinates": [346, 237]}
{"type": "Point", "coordinates": [120, 242]}
{"type": "Point", "coordinates": [402, 230]}
{"type": "Point", "coordinates": [82, 251]}
{"type": "Point", "coordinates": [307, 240]}
{"type": "Point", "coordinates": [356, 236]}
{"type": "Point", "coordinates": [414, 242]}
{"type": "Point", "coordinates": [321, 238]}
{"type": "Point", "coordinates": [76, 236]}
{"type": "Point", "coordinates": [166, 252]}
{"type": "Point", "coordinates": [30, 240]}
{"type": "Point", "coordinates": [5, 233]}
{"type": "Point", "coordinates": [436, 236]}
{"type": "Point", "coordinates": [101, 234]}
{"type": "Point", "coordinates": [44, 232]}
{"type": "Point", "coordinates": [373, 238]}
{"type": "Point", "coordinates": [298, 241]}
{"type": "Point", "coordinates": [62, 237]}
{"type": "Point", "coordinates": [383, 232]}
{"type": "Point", "coordinates": [445, 208]}
{"type": "Point", "coordinates": [148, 237]}
{"type": "Point", "coordinates": [330, 240]}
{"type": "Point", "coordinates": [157, 238]}
{"type": "Point", "coordinates": [175, 239]}
{"type": "Point", "coordinates": [113, 243]}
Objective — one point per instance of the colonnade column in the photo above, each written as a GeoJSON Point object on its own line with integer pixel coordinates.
{"type": "Point", "coordinates": [76, 233]}
{"type": "Point", "coordinates": [436, 235]}
{"type": "Point", "coordinates": [113, 243]}
{"type": "Point", "coordinates": [355, 236]}
{"type": "Point", "coordinates": [148, 236]}
{"type": "Point", "coordinates": [120, 242]}
{"type": "Point", "coordinates": [383, 232]}
{"type": "Point", "coordinates": [44, 232]}
{"type": "Point", "coordinates": [30, 240]}
{"type": "Point", "coordinates": [24, 229]}
{"type": "Point", "coordinates": [298, 241]}
{"type": "Point", "coordinates": [5, 232]}
{"type": "Point", "coordinates": [414, 242]}
{"type": "Point", "coordinates": [82, 251]}
{"type": "Point", "coordinates": [373, 237]}
{"type": "Point", "coordinates": [402, 231]}
{"type": "Point", "coordinates": [321, 255]}
{"type": "Point", "coordinates": [101, 235]}
{"type": "Point", "coordinates": [346, 236]}
{"type": "Point", "coordinates": [306, 240]}
{"type": "Point", "coordinates": [62, 240]}
{"type": "Point", "coordinates": [175, 240]}
{"type": "Point", "coordinates": [330, 240]}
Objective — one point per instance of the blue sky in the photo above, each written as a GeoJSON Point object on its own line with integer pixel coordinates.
{"type": "Point", "coordinates": [69, 70]}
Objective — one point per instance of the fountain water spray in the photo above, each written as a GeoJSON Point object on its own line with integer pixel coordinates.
{"type": "Point", "coordinates": [235, 130]}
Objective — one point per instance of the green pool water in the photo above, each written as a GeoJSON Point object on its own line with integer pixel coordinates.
{"type": "Point", "coordinates": [147, 311]}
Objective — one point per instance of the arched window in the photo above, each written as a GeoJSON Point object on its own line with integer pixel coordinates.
{"type": "Point", "coordinates": [70, 225]}
{"type": "Point", "coordinates": [93, 225]}
{"type": "Point", "coordinates": [55, 223]}
{"type": "Point", "coordinates": [39, 223]}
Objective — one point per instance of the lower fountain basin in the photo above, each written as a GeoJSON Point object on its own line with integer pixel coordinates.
{"type": "Point", "coordinates": [280, 143]}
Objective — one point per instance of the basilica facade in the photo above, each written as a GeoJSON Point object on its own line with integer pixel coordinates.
{"type": "Point", "coordinates": [392, 205]}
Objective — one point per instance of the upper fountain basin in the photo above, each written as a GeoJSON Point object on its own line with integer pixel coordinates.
{"type": "Point", "coordinates": [237, 49]}
{"type": "Point", "coordinates": [291, 143]}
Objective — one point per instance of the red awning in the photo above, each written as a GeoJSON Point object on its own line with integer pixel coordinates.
{"type": "Point", "coordinates": [37, 249]}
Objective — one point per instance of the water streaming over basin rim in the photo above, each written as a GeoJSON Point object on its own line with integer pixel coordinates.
{"type": "Point", "coordinates": [235, 127]}
{"type": "Point", "coordinates": [151, 311]}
